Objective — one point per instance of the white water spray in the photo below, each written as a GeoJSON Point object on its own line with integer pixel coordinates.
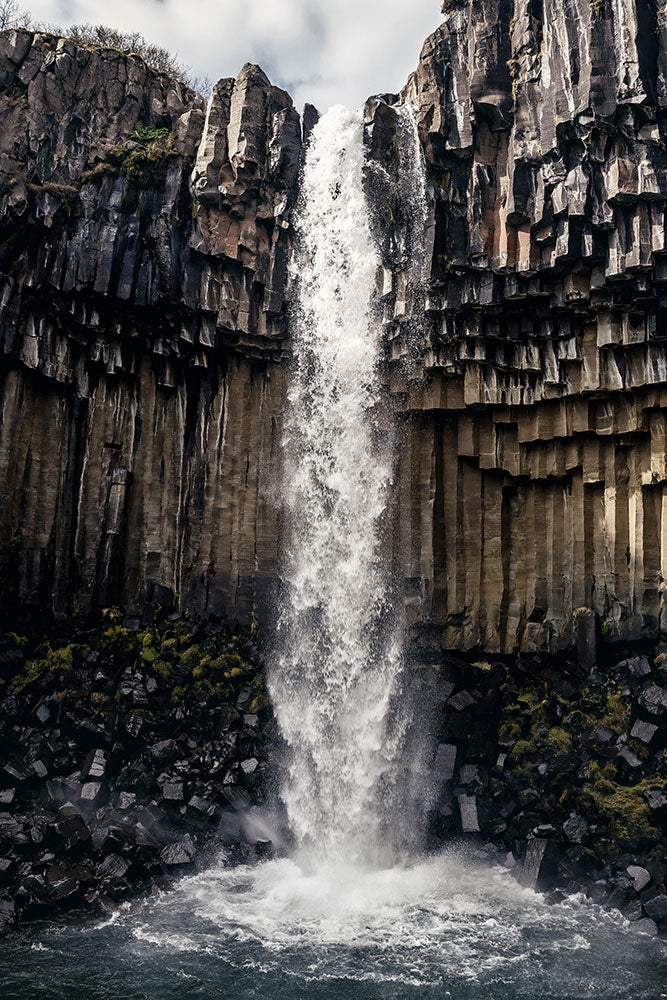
{"type": "Point", "coordinates": [335, 686]}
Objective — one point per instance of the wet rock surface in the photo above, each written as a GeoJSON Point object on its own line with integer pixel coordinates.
{"type": "Point", "coordinates": [132, 754]}
{"type": "Point", "coordinates": [544, 755]}
{"type": "Point", "coordinates": [128, 755]}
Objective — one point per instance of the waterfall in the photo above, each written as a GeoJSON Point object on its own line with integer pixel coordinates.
{"type": "Point", "coordinates": [336, 682]}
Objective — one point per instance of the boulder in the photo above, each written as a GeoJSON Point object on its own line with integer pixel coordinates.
{"type": "Point", "coordinates": [656, 799]}
{"type": "Point", "coordinates": [173, 791]}
{"type": "Point", "coordinates": [640, 877]}
{"type": "Point", "coordinates": [7, 911]}
{"type": "Point", "coordinates": [112, 867]}
{"type": "Point", "coordinates": [469, 815]}
{"type": "Point", "coordinates": [95, 766]}
{"type": "Point", "coordinates": [180, 852]}
{"type": "Point", "coordinates": [639, 666]}
{"type": "Point", "coordinates": [575, 828]}
{"type": "Point", "coordinates": [540, 864]}
{"type": "Point", "coordinates": [656, 907]}
{"type": "Point", "coordinates": [444, 764]}
{"type": "Point", "coordinates": [644, 731]}
{"type": "Point", "coordinates": [654, 699]}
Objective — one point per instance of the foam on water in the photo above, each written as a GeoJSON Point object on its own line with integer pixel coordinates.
{"type": "Point", "coordinates": [449, 920]}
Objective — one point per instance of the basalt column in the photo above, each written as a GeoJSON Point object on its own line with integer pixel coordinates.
{"type": "Point", "coordinates": [143, 250]}
{"type": "Point", "coordinates": [532, 474]}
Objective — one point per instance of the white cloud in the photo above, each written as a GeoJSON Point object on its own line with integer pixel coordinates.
{"type": "Point", "coordinates": [325, 53]}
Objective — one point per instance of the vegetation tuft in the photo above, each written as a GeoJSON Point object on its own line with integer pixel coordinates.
{"type": "Point", "coordinates": [103, 36]}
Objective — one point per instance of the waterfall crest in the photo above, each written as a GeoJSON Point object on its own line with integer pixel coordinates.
{"type": "Point", "coordinates": [336, 680]}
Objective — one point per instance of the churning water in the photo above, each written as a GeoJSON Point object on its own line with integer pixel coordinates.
{"type": "Point", "coordinates": [357, 912]}
{"type": "Point", "coordinates": [456, 926]}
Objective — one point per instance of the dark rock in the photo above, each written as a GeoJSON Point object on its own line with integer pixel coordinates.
{"type": "Point", "coordinates": [10, 660]}
{"type": "Point", "coordinates": [633, 910]}
{"type": "Point", "coordinates": [95, 766]}
{"type": "Point", "coordinates": [654, 700]}
{"type": "Point", "coordinates": [640, 877]}
{"type": "Point", "coordinates": [540, 864]}
{"type": "Point", "coordinates": [586, 639]}
{"type": "Point", "coordinates": [656, 799]}
{"type": "Point", "coordinates": [639, 666]}
{"type": "Point", "coordinates": [655, 906]}
{"type": "Point", "coordinates": [645, 926]}
{"type": "Point", "coordinates": [73, 829]}
{"type": "Point", "coordinates": [468, 774]}
{"type": "Point", "coordinates": [229, 828]}
{"type": "Point", "coordinates": [173, 791]}
{"type": "Point", "coordinates": [112, 867]}
{"type": "Point", "coordinates": [181, 852]}
{"type": "Point", "coordinates": [108, 839]}
{"type": "Point", "coordinates": [19, 770]}
{"type": "Point", "coordinates": [445, 761]}
{"type": "Point", "coordinates": [164, 752]}
{"type": "Point", "coordinates": [644, 731]}
{"type": "Point", "coordinates": [64, 893]}
{"type": "Point", "coordinates": [469, 814]}
{"type": "Point", "coordinates": [7, 911]}
{"type": "Point", "coordinates": [44, 712]}
{"type": "Point", "coordinates": [547, 830]}
{"type": "Point", "coordinates": [264, 849]}
{"type": "Point", "coordinates": [126, 800]}
{"type": "Point", "coordinates": [91, 791]}
{"type": "Point", "coordinates": [461, 701]}
{"type": "Point", "coordinates": [630, 759]}
{"type": "Point", "coordinates": [202, 807]}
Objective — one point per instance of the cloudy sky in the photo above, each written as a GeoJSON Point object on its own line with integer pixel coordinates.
{"type": "Point", "coordinates": [339, 51]}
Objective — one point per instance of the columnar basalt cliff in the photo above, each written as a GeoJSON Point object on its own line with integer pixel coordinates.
{"type": "Point", "coordinates": [143, 255]}
{"type": "Point", "coordinates": [533, 460]}
{"type": "Point", "coordinates": [143, 259]}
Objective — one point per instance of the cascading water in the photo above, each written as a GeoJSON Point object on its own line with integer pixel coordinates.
{"type": "Point", "coordinates": [336, 682]}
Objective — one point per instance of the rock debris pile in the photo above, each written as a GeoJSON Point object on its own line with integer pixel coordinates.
{"type": "Point", "coordinates": [128, 755]}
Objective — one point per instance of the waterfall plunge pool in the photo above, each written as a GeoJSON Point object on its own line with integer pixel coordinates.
{"type": "Point", "coordinates": [456, 925]}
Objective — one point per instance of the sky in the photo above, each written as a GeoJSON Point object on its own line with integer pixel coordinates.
{"type": "Point", "coordinates": [337, 52]}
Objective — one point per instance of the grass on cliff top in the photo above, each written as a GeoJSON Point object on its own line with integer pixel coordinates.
{"type": "Point", "coordinates": [145, 164]}
{"type": "Point", "coordinates": [103, 36]}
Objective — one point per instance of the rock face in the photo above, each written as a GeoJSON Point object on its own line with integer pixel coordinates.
{"type": "Point", "coordinates": [144, 239]}
{"type": "Point", "coordinates": [142, 264]}
{"type": "Point", "coordinates": [533, 460]}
